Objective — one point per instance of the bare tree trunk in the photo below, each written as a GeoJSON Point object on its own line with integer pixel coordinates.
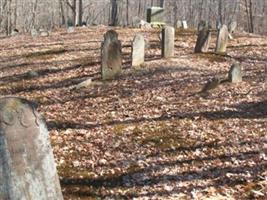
{"type": "Point", "coordinates": [9, 15]}
{"type": "Point", "coordinates": [114, 13]}
{"type": "Point", "coordinates": [220, 11]}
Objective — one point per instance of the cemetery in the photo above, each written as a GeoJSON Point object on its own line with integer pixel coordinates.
{"type": "Point", "coordinates": [152, 111]}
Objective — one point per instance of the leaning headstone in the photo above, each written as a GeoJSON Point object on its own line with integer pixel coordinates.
{"type": "Point", "coordinates": [232, 27]}
{"type": "Point", "coordinates": [111, 56]}
{"type": "Point", "coordinates": [184, 24]}
{"type": "Point", "coordinates": [70, 29]}
{"type": "Point", "coordinates": [27, 166]}
{"type": "Point", "coordinates": [34, 33]}
{"type": "Point", "coordinates": [222, 40]}
{"type": "Point", "coordinates": [179, 24]}
{"type": "Point", "coordinates": [138, 50]}
{"type": "Point", "coordinates": [203, 39]}
{"type": "Point", "coordinates": [156, 16]}
{"type": "Point", "coordinates": [167, 49]}
{"type": "Point", "coordinates": [235, 73]}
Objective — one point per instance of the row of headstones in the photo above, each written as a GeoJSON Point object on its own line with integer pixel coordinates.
{"type": "Point", "coordinates": [111, 53]}
{"type": "Point", "coordinates": [204, 37]}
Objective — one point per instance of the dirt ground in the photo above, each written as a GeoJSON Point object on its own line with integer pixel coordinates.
{"type": "Point", "coordinates": [146, 134]}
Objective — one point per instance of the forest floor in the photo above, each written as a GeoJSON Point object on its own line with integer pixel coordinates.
{"type": "Point", "coordinates": [144, 135]}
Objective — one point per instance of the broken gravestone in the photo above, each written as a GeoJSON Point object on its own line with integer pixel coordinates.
{"type": "Point", "coordinates": [204, 37]}
{"type": "Point", "coordinates": [167, 49]}
{"type": "Point", "coordinates": [27, 166]}
{"type": "Point", "coordinates": [235, 73]}
{"type": "Point", "coordinates": [138, 50]}
{"type": "Point", "coordinates": [111, 56]}
{"type": "Point", "coordinates": [232, 27]}
{"type": "Point", "coordinates": [222, 40]}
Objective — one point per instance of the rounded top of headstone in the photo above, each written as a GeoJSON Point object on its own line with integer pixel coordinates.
{"type": "Point", "coordinates": [14, 103]}
{"type": "Point", "coordinates": [11, 105]}
{"type": "Point", "coordinates": [111, 34]}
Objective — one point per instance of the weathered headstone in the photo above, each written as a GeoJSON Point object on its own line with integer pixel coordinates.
{"type": "Point", "coordinates": [218, 24]}
{"type": "Point", "coordinates": [184, 24]}
{"type": "Point", "coordinates": [27, 167]}
{"type": "Point", "coordinates": [138, 50]}
{"type": "Point", "coordinates": [34, 33]}
{"type": "Point", "coordinates": [204, 37]}
{"type": "Point", "coordinates": [14, 32]}
{"type": "Point", "coordinates": [111, 56]}
{"type": "Point", "coordinates": [156, 16]}
{"type": "Point", "coordinates": [44, 33]}
{"type": "Point", "coordinates": [222, 40]}
{"type": "Point", "coordinates": [70, 29]}
{"type": "Point", "coordinates": [167, 48]}
{"type": "Point", "coordinates": [179, 24]}
{"type": "Point", "coordinates": [235, 73]}
{"type": "Point", "coordinates": [232, 27]}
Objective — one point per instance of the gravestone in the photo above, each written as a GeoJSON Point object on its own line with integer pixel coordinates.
{"type": "Point", "coordinates": [222, 40]}
{"type": "Point", "coordinates": [232, 27]}
{"type": "Point", "coordinates": [204, 37]}
{"type": "Point", "coordinates": [179, 24]}
{"type": "Point", "coordinates": [218, 24]}
{"type": "Point", "coordinates": [167, 49]}
{"type": "Point", "coordinates": [235, 73]}
{"type": "Point", "coordinates": [184, 24]}
{"type": "Point", "coordinates": [111, 56]}
{"type": "Point", "coordinates": [27, 167]}
{"type": "Point", "coordinates": [156, 16]}
{"type": "Point", "coordinates": [44, 33]}
{"type": "Point", "coordinates": [70, 29]}
{"type": "Point", "coordinates": [15, 32]}
{"type": "Point", "coordinates": [138, 50]}
{"type": "Point", "coordinates": [34, 32]}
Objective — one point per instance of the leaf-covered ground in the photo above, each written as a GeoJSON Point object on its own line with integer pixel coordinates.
{"type": "Point", "coordinates": [146, 135]}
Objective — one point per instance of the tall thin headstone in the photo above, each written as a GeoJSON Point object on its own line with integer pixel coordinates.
{"type": "Point", "coordinates": [204, 37]}
{"type": "Point", "coordinates": [111, 56]}
{"type": "Point", "coordinates": [222, 40]}
{"type": "Point", "coordinates": [27, 166]}
{"type": "Point", "coordinates": [138, 50]}
{"type": "Point", "coordinates": [167, 48]}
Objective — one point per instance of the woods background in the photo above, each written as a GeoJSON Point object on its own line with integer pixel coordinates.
{"type": "Point", "coordinates": [24, 15]}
